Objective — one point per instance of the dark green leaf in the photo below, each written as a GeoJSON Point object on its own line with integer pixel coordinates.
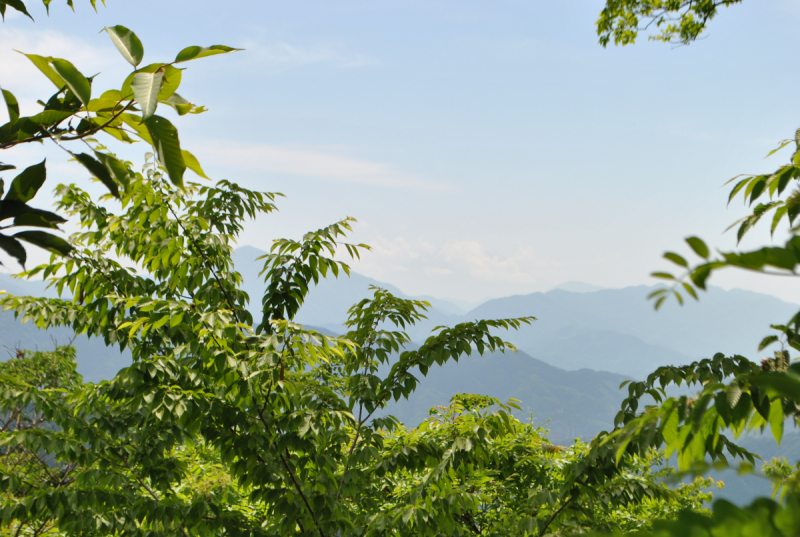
{"type": "Point", "coordinates": [127, 43]}
{"type": "Point", "coordinates": [45, 240]}
{"type": "Point", "coordinates": [115, 167]}
{"type": "Point", "coordinates": [98, 170]}
{"type": "Point", "coordinates": [14, 249]}
{"type": "Point", "coordinates": [14, 209]}
{"type": "Point", "coordinates": [16, 4]}
{"type": "Point", "coordinates": [76, 82]}
{"type": "Point", "coordinates": [25, 185]}
{"type": "Point", "coordinates": [700, 275]}
{"type": "Point", "coordinates": [4, 167]}
{"type": "Point", "coordinates": [34, 220]}
{"type": "Point", "coordinates": [167, 146]}
{"type": "Point", "coordinates": [12, 106]}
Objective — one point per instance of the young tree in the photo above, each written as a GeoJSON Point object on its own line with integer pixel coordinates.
{"type": "Point", "coordinates": [75, 114]}
{"type": "Point", "coordinates": [735, 394]}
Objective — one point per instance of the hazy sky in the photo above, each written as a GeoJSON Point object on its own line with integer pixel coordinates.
{"type": "Point", "coordinates": [486, 148]}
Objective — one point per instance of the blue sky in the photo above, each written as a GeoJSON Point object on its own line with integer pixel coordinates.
{"type": "Point", "coordinates": [486, 149]}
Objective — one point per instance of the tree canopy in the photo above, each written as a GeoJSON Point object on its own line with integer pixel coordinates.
{"type": "Point", "coordinates": [230, 425]}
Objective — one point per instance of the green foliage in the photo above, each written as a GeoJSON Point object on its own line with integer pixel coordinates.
{"type": "Point", "coordinates": [72, 114]}
{"type": "Point", "coordinates": [219, 428]}
{"type": "Point", "coordinates": [734, 394]}
{"type": "Point", "coordinates": [677, 21]}
{"type": "Point", "coordinates": [225, 426]}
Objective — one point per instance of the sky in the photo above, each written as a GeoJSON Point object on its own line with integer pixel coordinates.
{"type": "Point", "coordinates": [485, 148]}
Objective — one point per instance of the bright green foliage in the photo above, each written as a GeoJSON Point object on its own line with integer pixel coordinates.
{"type": "Point", "coordinates": [677, 21]}
{"type": "Point", "coordinates": [218, 428]}
{"type": "Point", "coordinates": [735, 394]}
{"type": "Point", "coordinates": [75, 113]}
{"type": "Point", "coordinates": [468, 470]}
{"type": "Point", "coordinates": [764, 518]}
{"type": "Point", "coordinates": [33, 384]}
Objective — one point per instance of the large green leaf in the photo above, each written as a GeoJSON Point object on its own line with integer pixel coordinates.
{"type": "Point", "coordinates": [100, 171]}
{"type": "Point", "coordinates": [171, 81]}
{"type": "Point", "coordinates": [145, 87]}
{"type": "Point", "coordinates": [127, 43]}
{"type": "Point", "coordinates": [34, 220]}
{"type": "Point", "coordinates": [12, 106]}
{"type": "Point", "coordinates": [115, 167]}
{"type": "Point", "coordinates": [14, 249]}
{"type": "Point", "coordinates": [16, 209]}
{"type": "Point", "coordinates": [25, 185]}
{"type": "Point", "coordinates": [50, 117]}
{"type": "Point", "coordinates": [194, 53]}
{"type": "Point", "coordinates": [74, 79]}
{"type": "Point", "coordinates": [167, 146]}
{"type": "Point", "coordinates": [193, 164]}
{"type": "Point", "coordinates": [43, 64]}
{"type": "Point", "coordinates": [45, 240]}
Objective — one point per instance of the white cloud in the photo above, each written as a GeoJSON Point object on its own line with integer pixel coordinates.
{"type": "Point", "coordinates": [460, 267]}
{"type": "Point", "coordinates": [310, 163]}
{"type": "Point", "coordinates": [286, 55]}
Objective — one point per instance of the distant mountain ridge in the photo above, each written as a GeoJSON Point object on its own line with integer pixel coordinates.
{"type": "Point", "coordinates": [613, 330]}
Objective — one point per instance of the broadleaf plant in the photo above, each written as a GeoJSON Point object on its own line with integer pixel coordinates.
{"type": "Point", "coordinates": [78, 112]}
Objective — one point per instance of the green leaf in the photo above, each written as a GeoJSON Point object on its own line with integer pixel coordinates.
{"type": "Point", "coordinates": [34, 220]}
{"type": "Point", "coordinates": [766, 342]}
{"type": "Point", "coordinates": [45, 240]}
{"type": "Point", "coordinates": [167, 146]}
{"type": "Point", "coordinates": [15, 209]}
{"type": "Point", "coordinates": [4, 167]}
{"type": "Point", "coordinates": [194, 53]}
{"type": "Point", "coordinates": [43, 64]}
{"type": "Point", "coordinates": [193, 164]}
{"type": "Point", "coordinates": [12, 106]}
{"type": "Point", "coordinates": [663, 275]}
{"type": "Point", "coordinates": [675, 258]}
{"type": "Point", "coordinates": [690, 290]}
{"type": "Point", "coordinates": [98, 170]}
{"type": "Point", "coordinates": [25, 185]}
{"type": "Point", "coordinates": [182, 106]}
{"type": "Point", "coordinates": [127, 43]}
{"type": "Point", "coordinates": [776, 418]}
{"type": "Point", "coordinates": [49, 118]}
{"type": "Point", "coordinates": [698, 246]}
{"type": "Point", "coordinates": [13, 248]}
{"type": "Point", "coordinates": [75, 81]}
{"type": "Point", "coordinates": [145, 88]}
{"type": "Point", "coordinates": [19, 5]}
{"type": "Point", "coordinates": [115, 167]}
{"type": "Point", "coordinates": [171, 81]}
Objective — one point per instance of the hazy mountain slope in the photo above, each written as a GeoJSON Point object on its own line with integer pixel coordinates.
{"type": "Point", "coordinates": [577, 403]}
{"type": "Point", "coordinates": [614, 330]}
{"type": "Point", "coordinates": [576, 347]}
{"type": "Point", "coordinates": [722, 321]}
